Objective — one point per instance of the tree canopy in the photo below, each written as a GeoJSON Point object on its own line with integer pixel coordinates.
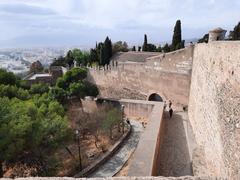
{"type": "Point", "coordinates": [73, 83]}
{"type": "Point", "coordinates": [235, 33]}
{"type": "Point", "coordinates": [204, 39]}
{"type": "Point", "coordinates": [8, 78]}
{"type": "Point", "coordinates": [120, 46]}
{"type": "Point", "coordinates": [30, 128]}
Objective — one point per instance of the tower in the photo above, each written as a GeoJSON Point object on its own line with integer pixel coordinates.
{"type": "Point", "coordinates": [217, 34]}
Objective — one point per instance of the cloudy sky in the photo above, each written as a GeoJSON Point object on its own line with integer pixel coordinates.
{"type": "Point", "coordinates": [28, 23]}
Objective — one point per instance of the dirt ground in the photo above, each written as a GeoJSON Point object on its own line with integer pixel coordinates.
{"type": "Point", "coordinates": [89, 151]}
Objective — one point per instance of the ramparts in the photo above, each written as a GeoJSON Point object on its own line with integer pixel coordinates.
{"type": "Point", "coordinates": [167, 75]}
{"type": "Point", "coordinates": [214, 108]}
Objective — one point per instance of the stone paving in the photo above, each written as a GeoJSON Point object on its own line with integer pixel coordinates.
{"type": "Point", "coordinates": [177, 146]}
{"type": "Point", "coordinates": [114, 164]}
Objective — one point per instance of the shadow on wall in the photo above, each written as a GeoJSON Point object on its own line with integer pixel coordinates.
{"type": "Point", "coordinates": [175, 158]}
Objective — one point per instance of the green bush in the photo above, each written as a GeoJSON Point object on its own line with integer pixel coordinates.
{"type": "Point", "coordinates": [39, 88]}
{"type": "Point", "coordinates": [91, 89]}
{"type": "Point", "coordinates": [13, 91]}
{"type": "Point", "coordinates": [58, 94]}
{"type": "Point", "coordinates": [77, 89]}
{"type": "Point", "coordinates": [30, 126]}
{"type": "Point", "coordinates": [7, 78]}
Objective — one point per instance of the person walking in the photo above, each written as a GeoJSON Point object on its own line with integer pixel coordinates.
{"type": "Point", "coordinates": [170, 112]}
{"type": "Point", "coordinates": [143, 124]}
{"type": "Point", "coordinates": [170, 104]}
{"type": "Point", "coordinates": [128, 121]}
{"type": "Point", "coordinates": [165, 105]}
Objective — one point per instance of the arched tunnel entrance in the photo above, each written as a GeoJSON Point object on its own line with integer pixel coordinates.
{"type": "Point", "coordinates": [155, 97]}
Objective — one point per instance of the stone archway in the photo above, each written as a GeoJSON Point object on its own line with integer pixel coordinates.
{"type": "Point", "coordinates": [155, 97]}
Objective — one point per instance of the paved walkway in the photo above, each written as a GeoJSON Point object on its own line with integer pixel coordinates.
{"type": "Point", "coordinates": [114, 164]}
{"type": "Point", "coordinates": [177, 147]}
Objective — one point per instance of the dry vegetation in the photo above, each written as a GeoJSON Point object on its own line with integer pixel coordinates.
{"type": "Point", "coordinates": [98, 134]}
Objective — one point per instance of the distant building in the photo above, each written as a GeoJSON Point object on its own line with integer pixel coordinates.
{"type": "Point", "coordinates": [49, 78]}
{"type": "Point", "coordinates": [217, 34]}
{"type": "Point", "coordinates": [36, 67]}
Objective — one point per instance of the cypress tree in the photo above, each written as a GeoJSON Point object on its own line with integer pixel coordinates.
{"type": "Point", "coordinates": [69, 58]}
{"type": "Point", "coordinates": [177, 36]}
{"type": "Point", "coordinates": [134, 48]}
{"type": "Point", "coordinates": [93, 56]}
{"type": "Point", "coordinates": [96, 46]}
{"type": "Point", "coordinates": [108, 50]}
{"type": "Point", "coordinates": [99, 45]}
{"type": "Point", "coordinates": [182, 44]}
{"type": "Point", "coordinates": [102, 55]}
{"type": "Point", "coordinates": [145, 44]}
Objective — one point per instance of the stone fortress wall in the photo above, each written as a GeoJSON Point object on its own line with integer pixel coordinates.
{"type": "Point", "coordinates": [214, 108]}
{"type": "Point", "coordinates": [167, 75]}
{"type": "Point", "coordinates": [213, 98]}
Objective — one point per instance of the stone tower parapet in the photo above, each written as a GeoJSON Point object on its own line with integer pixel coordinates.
{"type": "Point", "coordinates": [217, 34]}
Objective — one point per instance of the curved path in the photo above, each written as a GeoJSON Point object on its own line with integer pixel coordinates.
{"type": "Point", "coordinates": [117, 161]}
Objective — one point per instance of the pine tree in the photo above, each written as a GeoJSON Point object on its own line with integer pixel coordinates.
{"type": "Point", "coordinates": [145, 44]}
{"type": "Point", "coordinates": [177, 36]}
{"type": "Point", "coordinates": [166, 48]}
{"type": "Point", "coordinates": [159, 49]}
{"type": "Point", "coordinates": [204, 39]}
{"type": "Point", "coordinates": [235, 34]}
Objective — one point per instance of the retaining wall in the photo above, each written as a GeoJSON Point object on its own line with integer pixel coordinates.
{"type": "Point", "coordinates": [145, 160]}
{"type": "Point", "coordinates": [214, 108]}
{"type": "Point", "coordinates": [124, 178]}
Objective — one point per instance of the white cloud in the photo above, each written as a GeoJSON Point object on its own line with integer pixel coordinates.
{"type": "Point", "coordinates": [123, 19]}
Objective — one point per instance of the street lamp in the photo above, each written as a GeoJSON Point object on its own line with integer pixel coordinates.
{"type": "Point", "coordinates": [77, 132]}
{"type": "Point", "coordinates": [122, 109]}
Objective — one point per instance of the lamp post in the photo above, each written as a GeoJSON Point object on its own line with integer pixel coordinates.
{"type": "Point", "coordinates": [122, 109]}
{"type": "Point", "coordinates": [77, 132]}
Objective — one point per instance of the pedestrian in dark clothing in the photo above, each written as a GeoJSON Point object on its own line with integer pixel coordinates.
{"type": "Point", "coordinates": [128, 121]}
{"type": "Point", "coordinates": [170, 103]}
{"type": "Point", "coordinates": [170, 112]}
{"type": "Point", "coordinates": [165, 105]}
{"type": "Point", "coordinates": [143, 125]}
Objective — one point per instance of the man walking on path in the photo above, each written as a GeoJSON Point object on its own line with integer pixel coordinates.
{"type": "Point", "coordinates": [165, 105]}
{"type": "Point", "coordinates": [170, 112]}
{"type": "Point", "coordinates": [170, 104]}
